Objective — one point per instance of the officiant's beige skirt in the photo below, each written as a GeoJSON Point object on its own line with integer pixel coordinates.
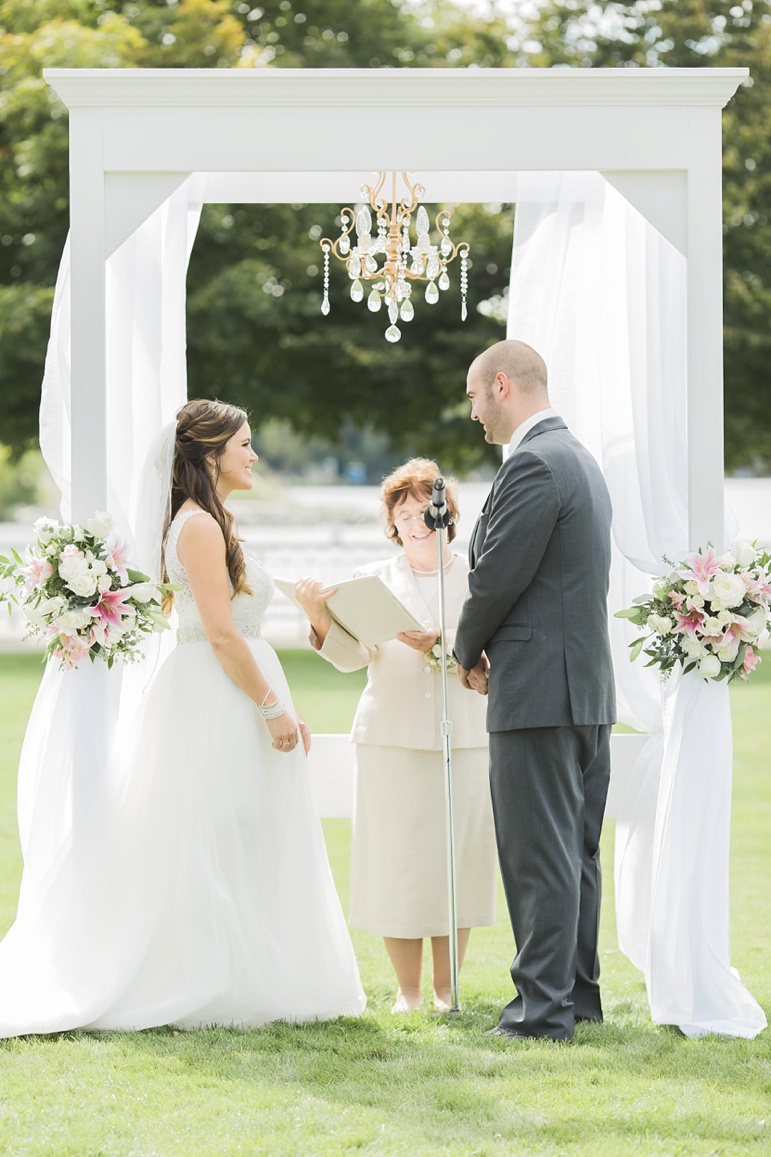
{"type": "Point", "coordinates": [398, 842]}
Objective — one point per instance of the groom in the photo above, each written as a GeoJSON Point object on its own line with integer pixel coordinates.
{"type": "Point", "coordinates": [533, 630]}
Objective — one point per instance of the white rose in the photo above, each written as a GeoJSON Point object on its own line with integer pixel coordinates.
{"type": "Point", "coordinates": [83, 585]}
{"type": "Point", "coordinates": [659, 623]}
{"type": "Point", "coordinates": [728, 652]}
{"type": "Point", "coordinates": [52, 549]}
{"type": "Point", "coordinates": [101, 524]}
{"type": "Point", "coordinates": [696, 601]}
{"type": "Point", "coordinates": [712, 626]}
{"type": "Point", "coordinates": [45, 529]}
{"type": "Point", "coordinates": [76, 619]}
{"type": "Point", "coordinates": [757, 619]}
{"type": "Point", "coordinates": [99, 567]}
{"type": "Point", "coordinates": [145, 593]}
{"type": "Point", "coordinates": [72, 567]}
{"type": "Point", "coordinates": [729, 588]}
{"type": "Point", "coordinates": [103, 584]}
{"type": "Point", "coordinates": [725, 617]}
{"type": "Point", "coordinates": [693, 648]}
{"type": "Point", "coordinates": [727, 560]}
{"type": "Point", "coordinates": [691, 588]}
{"type": "Point", "coordinates": [709, 667]}
{"type": "Point", "coordinates": [744, 553]}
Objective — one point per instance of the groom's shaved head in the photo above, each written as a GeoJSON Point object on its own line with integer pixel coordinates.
{"type": "Point", "coordinates": [517, 361]}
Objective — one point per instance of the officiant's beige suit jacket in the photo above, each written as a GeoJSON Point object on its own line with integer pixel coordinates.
{"type": "Point", "coordinates": [401, 705]}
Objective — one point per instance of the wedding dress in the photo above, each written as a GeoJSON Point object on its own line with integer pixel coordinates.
{"type": "Point", "coordinates": [196, 890]}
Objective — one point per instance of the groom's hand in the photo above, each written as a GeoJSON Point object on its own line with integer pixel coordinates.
{"type": "Point", "coordinates": [476, 678]}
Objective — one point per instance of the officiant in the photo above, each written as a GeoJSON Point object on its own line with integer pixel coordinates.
{"type": "Point", "coordinates": [398, 852]}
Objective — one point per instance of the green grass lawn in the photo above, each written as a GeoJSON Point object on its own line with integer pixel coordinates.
{"type": "Point", "coordinates": [413, 1084]}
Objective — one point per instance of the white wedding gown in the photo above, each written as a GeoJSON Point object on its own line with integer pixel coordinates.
{"type": "Point", "coordinates": [196, 890]}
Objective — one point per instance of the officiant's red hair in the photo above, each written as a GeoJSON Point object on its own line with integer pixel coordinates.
{"type": "Point", "coordinates": [415, 479]}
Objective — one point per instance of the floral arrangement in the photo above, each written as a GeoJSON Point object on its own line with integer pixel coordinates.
{"type": "Point", "coordinates": [711, 614]}
{"type": "Point", "coordinates": [80, 595]}
{"type": "Point", "coordinates": [433, 656]}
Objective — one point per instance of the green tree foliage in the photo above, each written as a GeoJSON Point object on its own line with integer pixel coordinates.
{"type": "Point", "coordinates": [696, 33]}
{"type": "Point", "coordinates": [255, 331]}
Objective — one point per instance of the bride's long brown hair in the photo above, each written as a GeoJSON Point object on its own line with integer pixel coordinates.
{"type": "Point", "coordinates": [203, 429]}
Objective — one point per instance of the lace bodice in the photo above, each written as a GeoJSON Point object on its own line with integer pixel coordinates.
{"type": "Point", "coordinates": [247, 609]}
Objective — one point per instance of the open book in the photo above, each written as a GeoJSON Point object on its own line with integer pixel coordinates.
{"type": "Point", "coordinates": [365, 608]}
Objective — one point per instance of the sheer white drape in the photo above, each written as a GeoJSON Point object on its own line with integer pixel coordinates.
{"type": "Point", "coordinates": [601, 295]}
{"type": "Point", "coordinates": [75, 715]}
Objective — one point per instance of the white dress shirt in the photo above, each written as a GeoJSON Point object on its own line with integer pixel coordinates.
{"type": "Point", "coordinates": [527, 425]}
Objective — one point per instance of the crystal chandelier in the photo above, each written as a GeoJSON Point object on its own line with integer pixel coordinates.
{"type": "Point", "coordinates": [404, 260]}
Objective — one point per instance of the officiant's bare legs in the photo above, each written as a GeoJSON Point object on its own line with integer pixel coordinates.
{"type": "Point", "coordinates": [407, 959]}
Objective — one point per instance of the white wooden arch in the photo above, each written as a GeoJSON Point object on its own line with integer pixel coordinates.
{"type": "Point", "coordinates": [295, 135]}
{"type": "Point", "coordinates": [310, 136]}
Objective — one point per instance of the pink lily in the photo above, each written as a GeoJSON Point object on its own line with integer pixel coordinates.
{"type": "Point", "coordinates": [38, 572]}
{"type": "Point", "coordinates": [110, 605]}
{"type": "Point", "coordinates": [689, 624]}
{"type": "Point", "coordinates": [702, 568]}
{"type": "Point", "coordinates": [751, 660]}
{"type": "Point", "coordinates": [116, 560]}
{"type": "Point", "coordinates": [734, 634]}
{"type": "Point", "coordinates": [677, 599]}
{"type": "Point", "coordinates": [758, 589]}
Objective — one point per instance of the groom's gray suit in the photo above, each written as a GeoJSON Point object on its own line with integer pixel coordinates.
{"type": "Point", "coordinates": [540, 557]}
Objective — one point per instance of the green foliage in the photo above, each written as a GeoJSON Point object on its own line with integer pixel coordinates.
{"type": "Point", "coordinates": [716, 34]}
{"type": "Point", "coordinates": [255, 331]}
{"type": "Point", "coordinates": [18, 480]}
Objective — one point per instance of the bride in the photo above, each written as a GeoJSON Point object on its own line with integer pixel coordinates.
{"type": "Point", "coordinates": [196, 889]}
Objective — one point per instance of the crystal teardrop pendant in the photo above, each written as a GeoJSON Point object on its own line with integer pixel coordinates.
{"type": "Point", "coordinates": [421, 221]}
{"type": "Point", "coordinates": [446, 247]}
{"type": "Point", "coordinates": [407, 311]}
{"type": "Point", "coordinates": [357, 291]}
{"type": "Point", "coordinates": [373, 301]}
{"type": "Point", "coordinates": [344, 244]}
{"type": "Point", "coordinates": [444, 280]}
{"type": "Point", "coordinates": [393, 312]}
{"type": "Point", "coordinates": [432, 293]}
{"type": "Point", "coordinates": [354, 266]}
{"type": "Point", "coordinates": [325, 306]}
{"type": "Point", "coordinates": [432, 266]}
{"type": "Point", "coordinates": [393, 333]}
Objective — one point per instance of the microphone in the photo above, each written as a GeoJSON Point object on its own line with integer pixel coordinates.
{"type": "Point", "coordinates": [438, 514]}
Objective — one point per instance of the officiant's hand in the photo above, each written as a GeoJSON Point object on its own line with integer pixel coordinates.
{"type": "Point", "coordinates": [312, 596]}
{"type": "Point", "coordinates": [419, 640]}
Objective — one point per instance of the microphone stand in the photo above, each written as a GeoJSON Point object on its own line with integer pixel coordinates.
{"type": "Point", "coordinates": [437, 518]}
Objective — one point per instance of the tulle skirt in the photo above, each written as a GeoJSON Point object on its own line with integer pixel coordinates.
{"type": "Point", "coordinates": [195, 890]}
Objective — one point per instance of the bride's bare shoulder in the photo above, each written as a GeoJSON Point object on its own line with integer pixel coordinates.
{"type": "Point", "coordinates": [198, 536]}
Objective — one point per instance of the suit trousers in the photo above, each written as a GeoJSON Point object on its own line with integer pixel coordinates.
{"type": "Point", "coordinates": [549, 786]}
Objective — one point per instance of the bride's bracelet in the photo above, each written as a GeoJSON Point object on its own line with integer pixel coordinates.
{"type": "Point", "coordinates": [274, 709]}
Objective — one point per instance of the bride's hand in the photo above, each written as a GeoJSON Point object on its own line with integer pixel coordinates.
{"type": "Point", "coordinates": [284, 732]}
{"type": "Point", "coordinates": [305, 734]}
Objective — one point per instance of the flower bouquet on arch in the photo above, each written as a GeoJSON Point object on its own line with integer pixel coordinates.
{"type": "Point", "coordinates": [711, 614]}
{"type": "Point", "coordinates": [79, 594]}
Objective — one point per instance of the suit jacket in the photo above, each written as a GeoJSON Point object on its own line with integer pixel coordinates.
{"type": "Point", "coordinates": [401, 705]}
{"type": "Point", "coordinates": [537, 601]}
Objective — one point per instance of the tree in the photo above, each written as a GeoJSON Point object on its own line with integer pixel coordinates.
{"type": "Point", "coordinates": [695, 33]}
{"type": "Point", "coordinates": [254, 316]}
